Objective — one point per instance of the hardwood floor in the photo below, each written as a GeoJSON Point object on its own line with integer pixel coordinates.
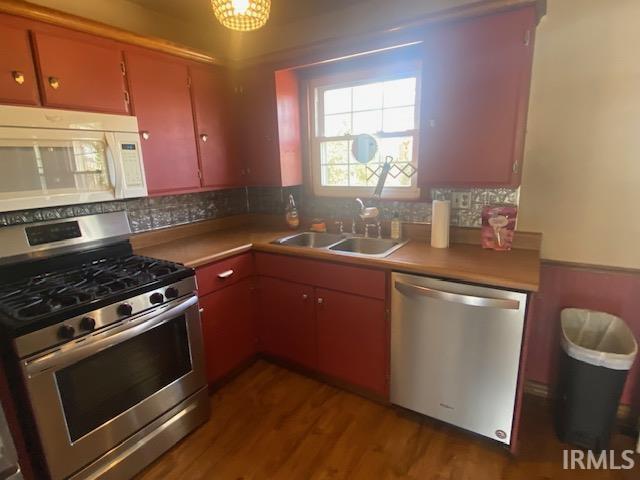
{"type": "Point", "coordinates": [270, 423]}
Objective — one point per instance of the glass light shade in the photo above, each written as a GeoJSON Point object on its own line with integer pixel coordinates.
{"type": "Point", "coordinates": [242, 15]}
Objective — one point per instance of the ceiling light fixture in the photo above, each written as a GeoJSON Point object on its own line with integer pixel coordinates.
{"type": "Point", "coordinates": [242, 15]}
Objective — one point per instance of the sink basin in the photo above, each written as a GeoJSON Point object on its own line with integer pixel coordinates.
{"type": "Point", "coordinates": [310, 240]}
{"type": "Point", "coordinates": [370, 247]}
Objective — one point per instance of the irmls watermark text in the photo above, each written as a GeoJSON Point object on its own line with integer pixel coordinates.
{"type": "Point", "coordinates": [605, 460]}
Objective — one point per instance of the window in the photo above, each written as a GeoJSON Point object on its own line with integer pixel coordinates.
{"type": "Point", "coordinates": [385, 107]}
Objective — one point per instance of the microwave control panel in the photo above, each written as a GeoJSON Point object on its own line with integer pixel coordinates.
{"type": "Point", "coordinates": [131, 164]}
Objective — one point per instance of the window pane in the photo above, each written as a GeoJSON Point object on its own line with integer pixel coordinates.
{"type": "Point", "coordinates": [399, 93]}
{"type": "Point", "coordinates": [367, 122]}
{"type": "Point", "coordinates": [334, 152]}
{"type": "Point", "coordinates": [399, 148]}
{"type": "Point", "coordinates": [337, 101]}
{"type": "Point", "coordinates": [367, 97]}
{"type": "Point", "coordinates": [398, 119]}
{"type": "Point", "coordinates": [337, 125]}
{"type": "Point", "coordinates": [359, 174]}
{"type": "Point", "coordinates": [335, 175]}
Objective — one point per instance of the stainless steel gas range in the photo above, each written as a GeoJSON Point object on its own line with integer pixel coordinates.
{"type": "Point", "coordinates": [106, 346]}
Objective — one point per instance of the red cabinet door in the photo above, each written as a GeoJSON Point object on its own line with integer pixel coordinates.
{"type": "Point", "coordinates": [79, 74]}
{"type": "Point", "coordinates": [161, 101]}
{"type": "Point", "coordinates": [18, 82]}
{"type": "Point", "coordinates": [475, 99]}
{"type": "Point", "coordinates": [210, 93]}
{"type": "Point", "coordinates": [353, 341]}
{"type": "Point", "coordinates": [258, 127]}
{"type": "Point", "coordinates": [228, 329]}
{"type": "Point", "coordinates": [286, 323]}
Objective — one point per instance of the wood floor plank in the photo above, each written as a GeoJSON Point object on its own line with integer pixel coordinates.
{"type": "Point", "coordinates": [270, 423]}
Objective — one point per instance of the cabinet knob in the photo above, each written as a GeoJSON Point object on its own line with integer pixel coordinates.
{"type": "Point", "coordinates": [305, 296]}
{"type": "Point", "coordinates": [145, 135]}
{"type": "Point", "coordinates": [54, 83]}
{"type": "Point", "coordinates": [201, 310]}
{"type": "Point", "coordinates": [204, 137]}
{"type": "Point", "coordinates": [320, 300]}
{"type": "Point", "coordinates": [18, 77]}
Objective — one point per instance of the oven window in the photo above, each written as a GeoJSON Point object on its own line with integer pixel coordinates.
{"type": "Point", "coordinates": [98, 388]}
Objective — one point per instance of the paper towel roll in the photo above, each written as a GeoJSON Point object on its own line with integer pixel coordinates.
{"type": "Point", "coordinates": [440, 215]}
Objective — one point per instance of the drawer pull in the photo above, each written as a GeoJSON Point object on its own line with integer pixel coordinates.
{"type": "Point", "coordinates": [225, 275]}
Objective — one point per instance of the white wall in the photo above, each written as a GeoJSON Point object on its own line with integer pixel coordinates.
{"type": "Point", "coordinates": [581, 184]}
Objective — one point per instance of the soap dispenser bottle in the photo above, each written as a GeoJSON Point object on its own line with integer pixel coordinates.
{"type": "Point", "coordinates": [396, 226]}
{"type": "Point", "coordinates": [291, 215]}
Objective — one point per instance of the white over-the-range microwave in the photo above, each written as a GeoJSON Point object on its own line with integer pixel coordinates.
{"type": "Point", "coordinates": [58, 157]}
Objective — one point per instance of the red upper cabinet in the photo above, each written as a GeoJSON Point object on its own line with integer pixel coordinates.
{"type": "Point", "coordinates": [475, 98]}
{"type": "Point", "coordinates": [161, 101]}
{"type": "Point", "coordinates": [269, 126]}
{"type": "Point", "coordinates": [18, 83]}
{"type": "Point", "coordinates": [76, 73]}
{"type": "Point", "coordinates": [286, 322]}
{"type": "Point", "coordinates": [211, 95]}
{"type": "Point", "coordinates": [353, 339]}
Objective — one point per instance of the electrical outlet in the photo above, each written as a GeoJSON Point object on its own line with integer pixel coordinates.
{"type": "Point", "coordinates": [461, 200]}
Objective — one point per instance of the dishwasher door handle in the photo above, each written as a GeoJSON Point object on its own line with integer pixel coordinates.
{"type": "Point", "coordinates": [472, 300]}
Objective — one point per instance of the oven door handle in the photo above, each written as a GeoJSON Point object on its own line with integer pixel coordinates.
{"type": "Point", "coordinates": [71, 353]}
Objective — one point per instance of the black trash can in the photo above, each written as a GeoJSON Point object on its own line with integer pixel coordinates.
{"type": "Point", "coordinates": [598, 350]}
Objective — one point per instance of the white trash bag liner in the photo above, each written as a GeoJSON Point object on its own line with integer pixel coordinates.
{"type": "Point", "coordinates": [598, 338]}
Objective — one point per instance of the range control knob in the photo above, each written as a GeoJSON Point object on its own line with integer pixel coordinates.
{"type": "Point", "coordinates": [172, 292]}
{"type": "Point", "coordinates": [125, 309]}
{"type": "Point", "coordinates": [156, 298]}
{"type": "Point", "coordinates": [67, 332]}
{"type": "Point", "coordinates": [88, 323]}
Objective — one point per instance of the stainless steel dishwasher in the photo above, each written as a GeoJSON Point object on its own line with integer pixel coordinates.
{"type": "Point", "coordinates": [455, 352]}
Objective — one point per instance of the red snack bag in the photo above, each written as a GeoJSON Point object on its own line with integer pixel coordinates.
{"type": "Point", "coordinates": [498, 225]}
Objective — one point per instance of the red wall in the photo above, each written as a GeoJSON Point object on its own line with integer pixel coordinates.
{"type": "Point", "coordinates": [561, 286]}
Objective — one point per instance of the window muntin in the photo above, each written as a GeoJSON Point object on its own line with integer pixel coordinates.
{"type": "Point", "coordinates": [386, 108]}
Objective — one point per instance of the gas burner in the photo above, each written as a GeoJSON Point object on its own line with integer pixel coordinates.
{"type": "Point", "coordinates": [45, 294]}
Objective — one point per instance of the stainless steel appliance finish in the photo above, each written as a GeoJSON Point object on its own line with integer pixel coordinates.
{"type": "Point", "coordinates": [139, 450]}
{"type": "Point", "coordinates": [108, 343]}
{"type": "Point", "coordinates": [455, 352]}
{"type": "Point", "coordinates": [91, 232]}
{"type": "Point", "coordinates": [47, 337]}
{"type": "Point", "coordinates": [67, 452]}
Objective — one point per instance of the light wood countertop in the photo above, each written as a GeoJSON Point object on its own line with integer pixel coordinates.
{"type": "Point", "coordinates": [518, 269]}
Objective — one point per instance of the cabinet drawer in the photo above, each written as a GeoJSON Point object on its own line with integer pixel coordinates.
{"type": "Point", "coordinates": [223, 273]}
{"type": "Point", "coordinates": [367, 282]}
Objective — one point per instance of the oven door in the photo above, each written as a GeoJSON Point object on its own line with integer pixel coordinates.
{"type": "Point", "coordinates": [90, 395]}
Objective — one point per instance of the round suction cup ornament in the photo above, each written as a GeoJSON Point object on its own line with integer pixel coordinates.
{"type": "Point", "coordinates": [364, 148]}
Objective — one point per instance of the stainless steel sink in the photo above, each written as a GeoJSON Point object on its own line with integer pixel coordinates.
{"type": "Point", "coordinates": [310, 240]}
{"type": "Point", "coordinates": [369, 247]}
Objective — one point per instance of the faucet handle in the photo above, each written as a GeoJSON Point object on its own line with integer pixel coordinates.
{"type": "Point", "coordinates": [340, 225]}
{"type": "Point", "coordinates": [379, 227]}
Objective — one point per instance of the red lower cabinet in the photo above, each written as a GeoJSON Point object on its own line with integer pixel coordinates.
{"type": "Point", "coordinates": [352, 339]}
{"type": "Point", "coordinates": [286, 322]}
{"type": "Point", "coordinates": [228, 328]}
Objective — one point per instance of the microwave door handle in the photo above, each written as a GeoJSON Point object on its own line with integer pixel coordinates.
{"type": "Point", "coordinates": [116, 173]}
{"type": "Point", "coordinates": [66, 356]}
{"type": "Point", "coordinates": [471, 300]}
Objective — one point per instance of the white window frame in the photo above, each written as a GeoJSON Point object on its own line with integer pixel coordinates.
{"type": "Point", "coordinates": [317, 86]}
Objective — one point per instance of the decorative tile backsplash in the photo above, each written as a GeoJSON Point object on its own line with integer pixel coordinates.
{"type": "Point", "coordinates": [415, 212]}
{"type": "Point", "coordinates": [158, 212]}
{"type": "Point", "coordinates": [147, 213]}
